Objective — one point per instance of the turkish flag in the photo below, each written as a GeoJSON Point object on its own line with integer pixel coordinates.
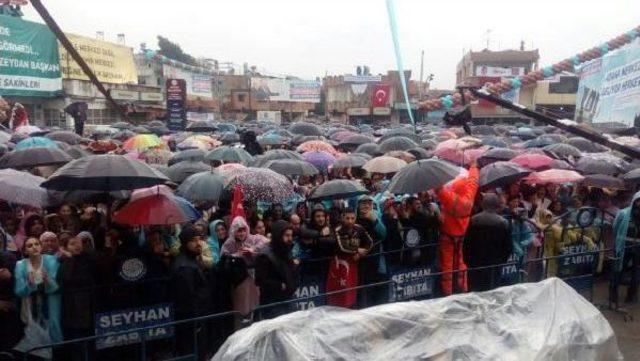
{"type": "Point", "coordinates": [380, 95]}
{"type": "Point", "coordinates": [343, 275]}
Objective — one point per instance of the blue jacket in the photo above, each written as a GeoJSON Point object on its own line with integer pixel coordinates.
{"type": "Point", "coordinates": [213, 241]}
{"type": "Point", "coordinates": [23, 289]}
{"type": "Point", "coordinates": [620, 228]}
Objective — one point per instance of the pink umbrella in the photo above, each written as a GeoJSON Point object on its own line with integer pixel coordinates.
{"type": "Point", "coordinates": [554, 176]}
{"type": "Point", "coordinates": [317, 146]}
{"type": "Point", "coordinates": [342, 135]}
{"type": "Point", "coordinates": [533, 161]}
{"type": "Point", "coordinates": [384, 164]}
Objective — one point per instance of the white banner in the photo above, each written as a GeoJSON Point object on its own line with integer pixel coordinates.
{"type": "Point", "coordinates": [198, 85]}
{"type": "Point", "coordinates": [19, 82]}
{"type": "Point", "coordinates": [483, 70]}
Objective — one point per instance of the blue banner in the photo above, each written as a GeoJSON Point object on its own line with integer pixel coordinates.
{"type": "Point", "coordinates": [311, 286]}
{"type": "Point", "coordinates": [411, 283]}
{"type": "Point", "coordinates": [107, 323]}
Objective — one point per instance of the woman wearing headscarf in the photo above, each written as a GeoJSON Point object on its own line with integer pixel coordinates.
{"type": "Point", "coordinates": [31, 225]}
{"type": "Point", "coordinates": [217, 232]}
{"type": "Point", "coordinates": [243, 245]}
{"type": "Point", "coordinates": [556, 237]}
{"type": "Point", "coordinates": [37, 287]}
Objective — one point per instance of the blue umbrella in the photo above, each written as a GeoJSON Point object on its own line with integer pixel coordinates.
{"type": "Point", "coordinates": [36, 142]}
{"type": "Point", "coordinates": [189, 210]}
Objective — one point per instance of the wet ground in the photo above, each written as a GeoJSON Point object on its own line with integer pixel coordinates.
{"type": "Point", "coordinates": [627, 331]}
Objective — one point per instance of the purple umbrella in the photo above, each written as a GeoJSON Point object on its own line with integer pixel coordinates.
{"type": "Point", "coordinates": [321, 160]}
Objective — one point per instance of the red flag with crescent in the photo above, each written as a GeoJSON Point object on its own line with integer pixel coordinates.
{"type": "Point", "coordinates": [380, 95]}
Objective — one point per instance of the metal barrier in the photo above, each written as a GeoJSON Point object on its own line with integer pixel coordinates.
{"type": "Point", "coordinates": [393, 287]}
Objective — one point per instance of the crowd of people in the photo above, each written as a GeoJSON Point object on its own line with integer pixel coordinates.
{"type": "Point", "coordinates": [61, 266]}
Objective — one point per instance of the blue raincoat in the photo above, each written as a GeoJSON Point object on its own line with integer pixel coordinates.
{"type": "Point", "coordinates": [213, 241]}
{"type": "Point", "coordinates": [620, 229]}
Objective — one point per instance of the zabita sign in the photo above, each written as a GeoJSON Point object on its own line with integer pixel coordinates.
{"type": "Point", "coordinates": [29, 59]}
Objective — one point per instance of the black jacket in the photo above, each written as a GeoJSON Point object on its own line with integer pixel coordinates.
{"type": "Point", "coordinates": [488, 242]}
{"type": "Point", "coordinates": [275, 267]}
{"type": "Point", "coordinates": [191, 287]}
{"type": "Point", "coordinates": [77, 278]}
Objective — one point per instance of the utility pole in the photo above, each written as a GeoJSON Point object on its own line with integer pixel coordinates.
{"type": "Point", "coordinates": [421, 82]}
{"type": "Point", "coordinates": [51, 23]}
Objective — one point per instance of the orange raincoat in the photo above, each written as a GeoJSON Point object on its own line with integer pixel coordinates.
{"type": "Point", "coordinates": [456, 204]}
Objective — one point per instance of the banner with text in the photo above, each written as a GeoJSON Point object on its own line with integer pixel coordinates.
{"type": "Point", "coordinates": [609, 88]}
{"type": "Point", "coordinates": [285, 90]}
{"type": "Point", "coordinates": [198, 84]}
{"type": "Point", "coordinates": [108, 323]}
{"type": "Point", "coordinates": [29, 59]}
{"type": "Point", "coordinates": [112, 63]}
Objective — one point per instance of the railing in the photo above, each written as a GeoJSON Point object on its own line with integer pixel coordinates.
{"type": "Point", "coordinates": [534, 266]}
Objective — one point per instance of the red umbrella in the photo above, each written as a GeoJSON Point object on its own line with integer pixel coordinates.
{"type": "Point", "coordinates": [555, 176]}
{"type": "Point", "coordinates": [533, 161]}
{"type": "Point", "coordinates": [157, 209]}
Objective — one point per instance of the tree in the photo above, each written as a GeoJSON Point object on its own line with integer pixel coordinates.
{"type": "Point", "coordinates": [173, 51]}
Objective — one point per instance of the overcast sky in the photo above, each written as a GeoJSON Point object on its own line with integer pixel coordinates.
{"type": "Point", "coordinates": [310, 38]}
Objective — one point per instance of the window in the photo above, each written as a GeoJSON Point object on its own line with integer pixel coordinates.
{"type": "Point", "coordinates": [242, 97]}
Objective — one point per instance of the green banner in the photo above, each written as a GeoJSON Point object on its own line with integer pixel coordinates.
{"type": "Point", "coordinates": [29, 59]}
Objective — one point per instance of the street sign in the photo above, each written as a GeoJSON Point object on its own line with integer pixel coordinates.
{"type": "Point", "coordinates": [176, 104]}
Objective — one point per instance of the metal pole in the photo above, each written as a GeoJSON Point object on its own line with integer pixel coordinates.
{"type": "Point", "coordinates": [564, 125]}
{"type": "Point", "coordinates": [421, 76]}
{"type": "Point", "coordinates": [51, 23]}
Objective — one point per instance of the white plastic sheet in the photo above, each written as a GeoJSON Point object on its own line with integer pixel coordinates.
{"type": "Point", "coordinates": [535, 321]}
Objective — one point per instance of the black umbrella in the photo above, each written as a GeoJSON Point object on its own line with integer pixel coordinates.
{"type": "Point", "coordinates": [230, 155]}
{"type": "Point", "coordinates": [189, 154]}
{"type": "Point", "coordinates": [299, 139]}
{"type": "Point", "coordinates": [564, 150]}
{"type": "Point", "coordinates": [201, 126]}
{"type": "Point", "coordinates": [78, 151]}
{"type": "Point", "coordinates": [32, 157]}
{"type": "Point", "coordinates": [205, 186]}
{"type": "Point", "coordinates": [632, 176]}
{"type": "Point", "coordinates": [350, 161]}
{"type": "Point", "coordinates": [64, 136]}
{"type": "Point", "coordinates": [402, 132]}
{"type": "Point", "coordinates": [180, 171]}
{"type": "Point", "coordinates": [586, 145]}
{"type": "Point", "coordinates": [501, 173]}
{"type": "Point", "coordinates": [229, 137]}
{"type": "Point", "coordinates": [84, 196]}
{"type": "Point", "coordinates": [291, 167]}
{"type": "Point", "coordinates": [121, 125]}
{"type": "Point", "coordinates": [495, 142]}
{"type": "Point", "coordinates": [422, 175]}
{"type": "Point", "coordinates": [496, 155]}
{"type": "Point", "coordinates": [560, 164]}
{"type": "Point", "coordinates": [305, 128]}
{"type": "Point", "coordinates": [337, 189]}
{"type": "Point", "coordinates": [123, 135]}
{"type": "Point", "coordinates": [104, 173]}
{"type": "Point", "coordinates": [397, 143]}
{"type": "Point", "coordinates": [428, 144]}
{"type": "Point", "coordinates": [356, 140]}
{"type": "Point", "coordinates": [604, 181]}
{"type": "Point", "coordinates": [420, 153]}
{"type": "Point", "coordinates": [141, 129]}
{"type": "Point", "coordinates": [369, 148]}
{"type": "Point", "coordinates": [538, 143]}
{"type": "Point", "coordinates": [160, 130]}
{"type": "Point", "coordinates": [261, 160]}
{"type": "Point", "coordinates": [605, 164]}
{"type": "Point", "coordinates": [156, 123]}
{"type": "Point", "coordinates": [483, 130]}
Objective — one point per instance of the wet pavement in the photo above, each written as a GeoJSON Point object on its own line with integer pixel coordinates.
{"type": "Point", "coordinates": [627, 331]}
